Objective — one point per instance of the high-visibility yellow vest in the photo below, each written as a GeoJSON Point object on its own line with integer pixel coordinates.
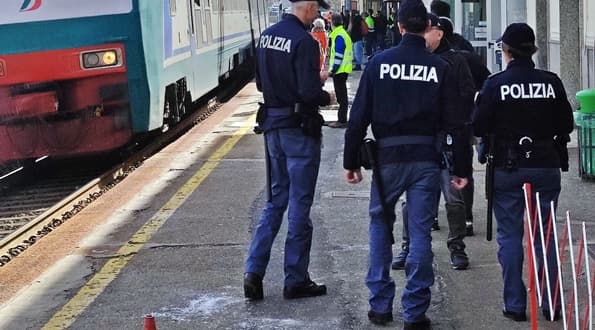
{"type": "Point", "coordinates": [347, 59]}
{"type": "Point", "coordinates": [370, 23]}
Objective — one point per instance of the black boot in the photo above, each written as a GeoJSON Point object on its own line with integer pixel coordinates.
{"type": "Point", "coordinates": [253, 286]}
{"type": "Point", "coordinates": [515, 316]}
{"type": "Point", "coordinates": [423, 324]}
{"type": "Point", "coordinates": [308, 289]}
{"type": "Point", "coordinates": [380, 318]}
{"type": "Point", "coordinates": [399, 260]}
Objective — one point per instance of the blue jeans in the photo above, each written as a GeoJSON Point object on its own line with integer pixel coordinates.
{"type": "Point", "coordinates": [294, 162]}
{"type": "Point", "coordinates": [420, 180]}
{"type": "Point", "coordinates": [509, 208]}
{"type": "Point", "coordinates": [358, 52]}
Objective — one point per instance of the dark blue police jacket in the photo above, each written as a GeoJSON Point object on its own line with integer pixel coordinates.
{"type": "Point", "coordinates": [402, 92]}
{"type": "Point", "coordinates": [288, 70]}
{"type": "Point", "coordinates": [524, 101]}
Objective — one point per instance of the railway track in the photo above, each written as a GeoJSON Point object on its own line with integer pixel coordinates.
{"type": "Point", "coordinates": [30, 211]}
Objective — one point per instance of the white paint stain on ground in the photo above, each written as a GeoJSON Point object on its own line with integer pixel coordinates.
{"type": "Point", "coordinates": [269, 323]}
{"type": "Point", "coordinates": [204, 305]}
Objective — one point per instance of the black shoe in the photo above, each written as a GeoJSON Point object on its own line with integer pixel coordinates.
{"type": "Point", "coordinates": [546, 314]}
{"type": "Point", "coordinates": [435, 225]}
{"type": "Point", "coordinates": [423, 324]}
{"type": "Point", "coordinates": [515, 316]}
{"type": "Point", "coordinates": [459, 259]}
{"type": "Point", "coordinates": [399, 260]}
{"type": "Point", "coordinates": [253, 286]}
{"type": "Point", "coordinates": [310, 289]}
{"type": "Point", "coordinates": [469, 229]}
{"type": "Point", "coordinates": [357, 68]}
{"type": "Point", "coordinates": [380, 318]}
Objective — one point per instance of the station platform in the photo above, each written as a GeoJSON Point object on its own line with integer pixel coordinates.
{"type": "Point", "coordinates": [171, 241]}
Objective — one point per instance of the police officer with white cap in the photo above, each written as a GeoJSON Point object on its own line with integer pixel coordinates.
{"type": "Point", "coordinates": [404, 96]}
{"type": "Point", "coordinates": [288, 74]}
{"type": "Point", "coordinates": [528, 115]}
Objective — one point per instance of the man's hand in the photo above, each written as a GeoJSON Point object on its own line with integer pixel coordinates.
{"type": "Point", "coordinates": [324, 76]}
{"type": "Point", "coordinates": [459, 183]}
{"type": "Point", "coordinates": [353, 176]}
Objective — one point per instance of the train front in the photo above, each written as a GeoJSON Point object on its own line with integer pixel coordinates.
{"type": "Point", "coordinates": [63, 77]}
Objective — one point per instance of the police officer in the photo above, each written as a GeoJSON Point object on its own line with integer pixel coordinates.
{"type": "Point", "coordinates": [454, 203]}
{"type": "Point", "coordinates": [402, 94]}
{"type": "Point", "coordinates": [527, 111]}
{"type": "Point", "coordinates": [289, 77]}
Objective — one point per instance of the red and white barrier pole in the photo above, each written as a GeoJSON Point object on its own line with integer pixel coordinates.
{"type": "Point", "coordinates": [532, 268]}
{"type": "Point", "coordinates": [544, 255]}
{"type": "Point", "coordinates": [588, 314]}
{"type": "Point", "coordinates": [574, 293]}
{"type": "Point", "coordinates": [560, 258]}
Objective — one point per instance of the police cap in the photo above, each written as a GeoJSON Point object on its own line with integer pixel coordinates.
{"type": "Point", "coordinates": [412, 11]}
{"type": "Point", "coordinates": [321, 3]}
{"type": "Point", "coordinates": [446, 26]}
{"type": "Point", "coordinates": [520, 37]}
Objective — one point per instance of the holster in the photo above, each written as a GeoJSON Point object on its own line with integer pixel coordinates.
{"type": "Point", "coordinates": [446, 149]}
{"type": "Point", "coordinates": [311, 120]}
{"type": "Point", "coordinates": [367, 154]}
{"type": "Point", "coordinates": [261, 116]}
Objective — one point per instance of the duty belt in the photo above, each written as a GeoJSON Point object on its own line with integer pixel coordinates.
{"type": "Point", "coordinates": [526, 141]}
{"type": "Point", "coordinates": [280, 112]}
{"type": "Point", "coordinates": [399, 140]}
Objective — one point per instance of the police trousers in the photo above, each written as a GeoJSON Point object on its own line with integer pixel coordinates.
{"type": "Point", "coordinates": [420, 180]}
{"type": "Point", "coordinates": [294, 163]}
{"type": "Point", "coordinates": [509, 208]}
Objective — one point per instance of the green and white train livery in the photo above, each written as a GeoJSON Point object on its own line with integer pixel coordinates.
{"type": "Point", "coordinates": [82, 76]}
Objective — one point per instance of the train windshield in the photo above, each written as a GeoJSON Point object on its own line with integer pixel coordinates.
{"type": "Point", "coordinates": [22, 11]}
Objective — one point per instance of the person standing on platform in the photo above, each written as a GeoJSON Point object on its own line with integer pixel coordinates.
{"type": "Point", "coordinates": [480, 73]}
{"type": "Point", "coordinates": [356, 34]}
{"type": "Point", "coordinates": [319, 34]}
{"type": "Point", "coordinates": [340, 65]}
{"type": "Point", "coordinates": [288, 74]}
{"type": "Point", "coordinates": [409, 118]}
{"type": "Point", "coordinates": [370, 37]}
{"type": "Point", "coordinates": [453, 198]}
{"type": "Point", "coordinates": [525, 111]}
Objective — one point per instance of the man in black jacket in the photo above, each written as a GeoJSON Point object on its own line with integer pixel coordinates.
{"type": "Point", "coordinates": [462, 80]}
{"type": "Point", "coordinates": [480, 73]}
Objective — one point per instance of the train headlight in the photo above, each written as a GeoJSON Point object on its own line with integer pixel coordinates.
{"type": "Point", "coordinates": [109, 58]}
{"type": "Point", "coordinates": [100, 59]}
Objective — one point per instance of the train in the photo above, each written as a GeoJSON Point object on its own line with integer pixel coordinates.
{"type": "Point", "coordinates": [80, 77]}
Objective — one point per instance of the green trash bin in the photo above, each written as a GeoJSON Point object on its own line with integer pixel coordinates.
{"type": "Point", "coordinates": [586, 99]}
{"type": "Point", "coordinates": [586, 145]}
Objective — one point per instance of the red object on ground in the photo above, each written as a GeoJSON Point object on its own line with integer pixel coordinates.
{"type": "Point", "coordinates": [150, 323]}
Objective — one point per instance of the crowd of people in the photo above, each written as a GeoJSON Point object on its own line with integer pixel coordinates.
{"type": "Point", "coordinates": [427, 99]}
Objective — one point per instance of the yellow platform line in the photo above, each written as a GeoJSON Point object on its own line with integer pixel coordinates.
{"type": "Point", "coordinates": [94, 287]}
